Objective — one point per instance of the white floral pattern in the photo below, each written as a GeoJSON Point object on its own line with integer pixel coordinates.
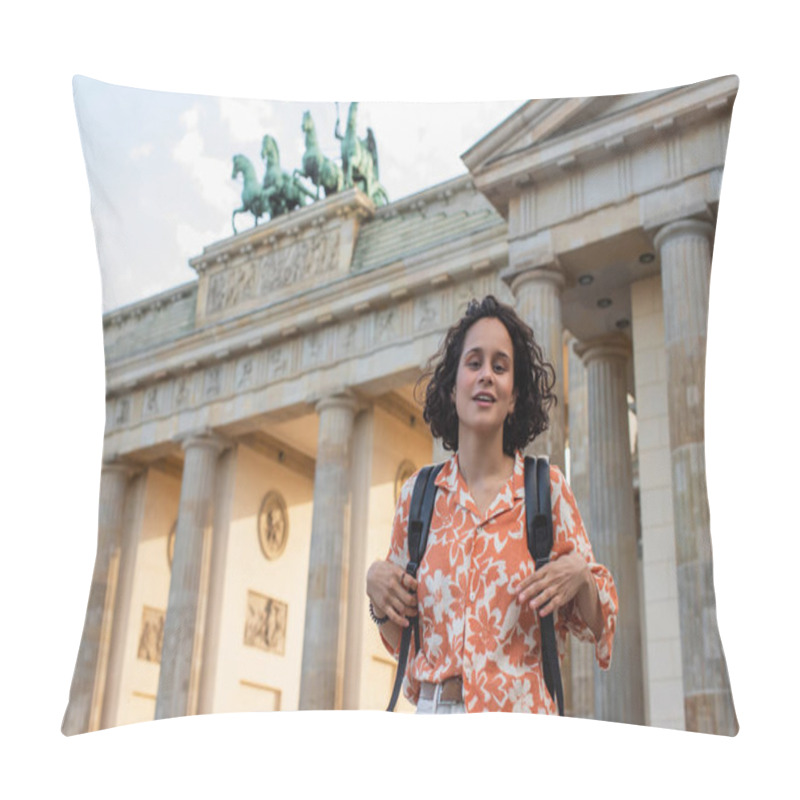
{"type": "Point", "coordinates": [470, 620]}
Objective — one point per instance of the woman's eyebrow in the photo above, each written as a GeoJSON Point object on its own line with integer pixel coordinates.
{"type": "Point", "coordinates": [479, 351]}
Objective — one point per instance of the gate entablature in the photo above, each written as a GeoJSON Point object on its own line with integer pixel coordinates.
{"type": "Point", "coordinates": [282, 316]}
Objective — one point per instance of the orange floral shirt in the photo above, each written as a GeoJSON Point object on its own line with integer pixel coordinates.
{"type": "Point", "coordinates": [471, 623]}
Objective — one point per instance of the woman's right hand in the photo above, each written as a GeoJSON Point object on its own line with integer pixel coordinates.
{"type": "Point", "coordinates": [392, 592]}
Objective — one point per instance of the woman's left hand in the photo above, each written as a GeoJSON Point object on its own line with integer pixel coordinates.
{"type": "Point", "coordinates": [555, 584]}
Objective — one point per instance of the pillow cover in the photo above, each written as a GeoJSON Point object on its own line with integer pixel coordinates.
{"type": "Point", "coordinates": [275, 275]}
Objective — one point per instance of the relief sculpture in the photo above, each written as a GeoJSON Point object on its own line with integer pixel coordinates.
{"type": "Point", "coordinates": [386, 329]}
{"type": "Point", "coordinates": [123, 411]}
{"type": "Point", "coordinates": [311, 257]}
{"type": "Point", "coordinates": [265, 626]}
{"type": "Point", "coordinates": [244, 372]}
{"type": "Point", "coordinates": [273, 525]}
{"type": "Point", "coordinates": [151, 635]}
{"type": "Point", "coordinates": [231, 287]}
{"type": "Point", "coordinates": [278, 363]}
{"type": "Point", "coordinates": [213, 381]}
{"type": "Point", "coordinates": [427, 313]}
{"type": "Point", "coordinates": [182, 392]}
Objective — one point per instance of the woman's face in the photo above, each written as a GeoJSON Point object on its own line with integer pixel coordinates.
{"type": "Point", "coordinates": [484, 391]}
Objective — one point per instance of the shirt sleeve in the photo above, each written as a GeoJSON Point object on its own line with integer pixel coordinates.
{"type": "Point", "coordinates": [569, 535]}
{"type": "Point", "coordinates": [398, 547]}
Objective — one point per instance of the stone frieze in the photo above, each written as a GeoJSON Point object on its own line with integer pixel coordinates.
{"type": "Point", "coordinates": [290, 358]}
{"type": "Point", "coordinates": [312, 257]}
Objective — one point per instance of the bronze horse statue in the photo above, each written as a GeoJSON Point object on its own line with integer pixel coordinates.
{"type": "Point", "coordinates": [253, 198]}
{"type": "Point", "coordinates": [360, 159]}
{"type": "Point", "coordinates": [318, 168]}
{"type": "Point", "coordinates": [277, 194]}
{"type": "Point", "coordinates": [284, 192]}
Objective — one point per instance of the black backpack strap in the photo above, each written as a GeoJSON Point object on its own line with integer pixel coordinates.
{"type": "Point", "coordinates": [539, 524]}
{"type": "Point", "coordinates": [419, 522]}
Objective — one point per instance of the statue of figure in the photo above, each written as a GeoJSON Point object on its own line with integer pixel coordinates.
{"type": "Point", "coordinates": [317, 168]}
{"type": "Point", "coordinates": [360, 159]}
{"type": "Point", "coordinates": [253, 198]}
{"type": "Point", "coordinates": [283, 191]}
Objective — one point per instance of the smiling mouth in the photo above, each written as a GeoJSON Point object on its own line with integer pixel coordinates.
{"type": "Point", "coordinates": [483, 398]}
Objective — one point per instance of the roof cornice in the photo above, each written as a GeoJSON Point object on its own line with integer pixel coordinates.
{"type": "Point", "coordinates": [498, 169]}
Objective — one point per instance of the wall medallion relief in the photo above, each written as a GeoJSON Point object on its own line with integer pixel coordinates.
{"type": "Point", "coordinates": [273, 525]}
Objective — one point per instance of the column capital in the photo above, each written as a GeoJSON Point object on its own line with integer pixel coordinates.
{"type": "Point", "coordinates": [613, 345]}
{"type": "Point", "coordinates": [114, 465]}
{"type": "Point", "coordinates": [517, 277]}
{"type": "Point", "coordinates": [340, 399]}
{"type": "Point", "coordinates": [690, 226]}
{"type": "Point", "coordinates": [203, 437]}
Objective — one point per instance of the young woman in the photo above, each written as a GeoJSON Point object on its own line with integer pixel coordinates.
{"type": "Point", "coordinates": [477, 594]}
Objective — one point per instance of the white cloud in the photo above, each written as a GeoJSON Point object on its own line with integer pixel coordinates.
{"type": "Point", "coordinates": [247, 120]}
{"type": "Point", "coordinates": [191, 239]}
{"type": "Point", "coordinates": [191, 118]}
{"type": "Point", "coordinates": [141, 151]}
{"type": "Point", "coordinates": [189, 148]}
{"type": "Point", "coordinates": [210, 174]}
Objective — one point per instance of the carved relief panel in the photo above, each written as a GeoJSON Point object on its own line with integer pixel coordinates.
{"type": "Point", "coordinates": [151, 634]}
{"type": "Point", "coordinates": [265, 626]}
{"type": "Point", "coordinates": [309, 258]}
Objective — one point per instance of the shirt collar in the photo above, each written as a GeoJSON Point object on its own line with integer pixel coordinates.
{"type": "Point", "coordinates": [451, 479]}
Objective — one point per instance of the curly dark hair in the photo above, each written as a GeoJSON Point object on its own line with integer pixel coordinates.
{"type": "Point", "coordinates": [534, 379]}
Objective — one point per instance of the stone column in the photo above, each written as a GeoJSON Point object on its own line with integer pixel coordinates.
{"type": "Point", "coordinates": [85, 694]}
{"type": "Point", "coordinates": [178, 679]}
{"type": "Point", "coordinates": [357, 617]}
{"type": "Point", "coordinates": [323, 646]}
{"type": "Point", "coordinates": [685, 251]}
{"type": "Point", "coordinates": [218, 560]}
{"type": "Point", "coordinates": [619, 693]}
{"type": "Point", "coordinates": [538, 302]}
{"type": "Point", "coordinates": [581, 654]}
{"type": "Point", "coordinates": [129, 545]}
{"type": "Point", "coordinates": [326, 599]}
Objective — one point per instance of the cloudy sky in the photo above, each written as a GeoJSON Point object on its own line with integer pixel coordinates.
{"type": "Point", "coordinates": [159, 166]}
